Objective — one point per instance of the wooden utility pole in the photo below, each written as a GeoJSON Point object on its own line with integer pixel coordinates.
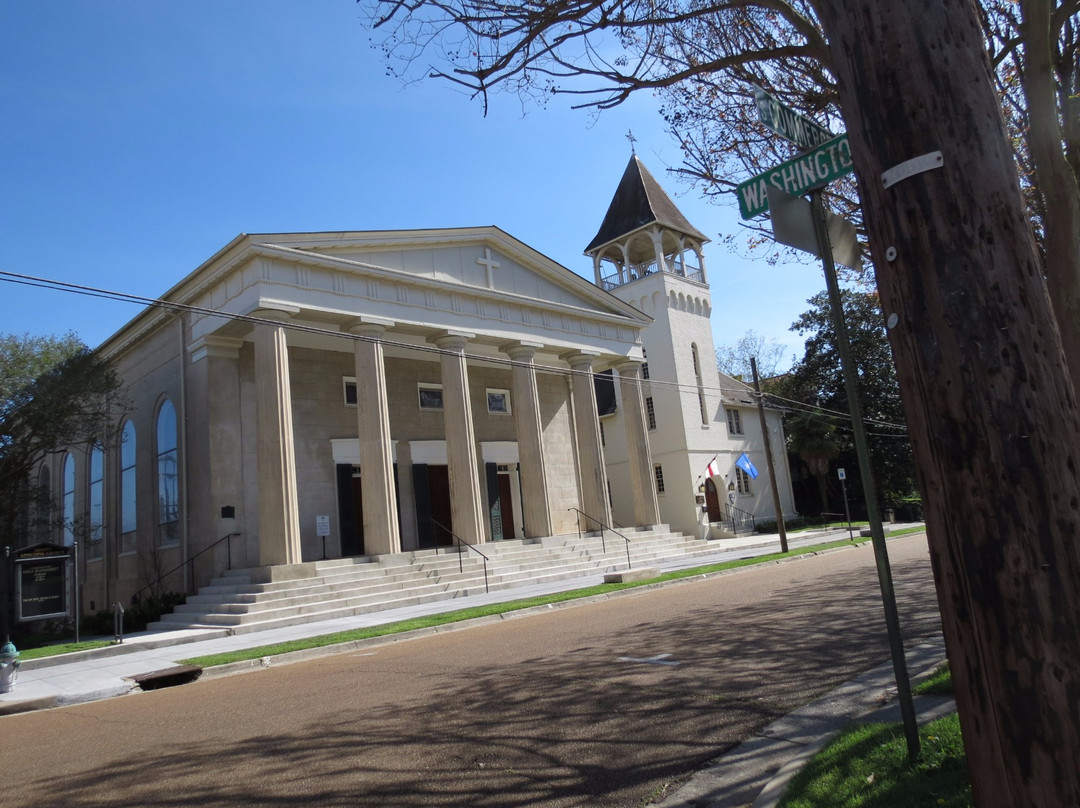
{"type": "Point", "coordinates": [769, 458]}
{"type": "Point", "coordinates": [990, 409]}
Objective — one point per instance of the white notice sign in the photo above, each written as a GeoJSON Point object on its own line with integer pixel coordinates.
{"type": "Point", "coordinates": [322, 525]}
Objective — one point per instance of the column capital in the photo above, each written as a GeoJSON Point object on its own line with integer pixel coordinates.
{"type": "Point", "coordinates": [273, 310]}
{"type": "Point", "coordinates": [368, 326]}
{"type": "Point", "coordinates": [628, 367]}
{"type": "Point", "coordinates": [578, 358]}
{"type": "Point", "coordinates": [453, 340]}
{"type": "Point", "coordinates": [521, 349]}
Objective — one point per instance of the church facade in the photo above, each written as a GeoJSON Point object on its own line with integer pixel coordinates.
{"type": "Point", "coordinates": [309, 395]}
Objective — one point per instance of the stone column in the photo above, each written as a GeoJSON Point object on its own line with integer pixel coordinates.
{"type": "Point", "coordinates": [381, 534]}
{"type": "Point", "coordinates": [279, 517]}
{"type": "Point", "coordinates": [532, 464]}
{"type": "Point", "coordinates": [646, 507]}
{"type": "Point", "coordinates": [590, 452]}
{"type": "Point", "coordinates": [466, 505]}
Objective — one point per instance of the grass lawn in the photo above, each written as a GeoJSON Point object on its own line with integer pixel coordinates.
{"type": "Point", "coordinates": [62, 648]}
{"type": "Point", "coordinates": [866, 766]}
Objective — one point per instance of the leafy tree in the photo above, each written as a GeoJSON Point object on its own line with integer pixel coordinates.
{"type": "Point", "coordinates": [990, 405]}
{"type": "Point", "coordinates": [817, 382]}
{"type": "Point", "coordinates": [702, 60]}
{"type": "Point", "coordinates": [734, 360]}
{"type": "Point", "coordinates": [54, 392]}
{"type": "Point", "coordinates": [812, 438]}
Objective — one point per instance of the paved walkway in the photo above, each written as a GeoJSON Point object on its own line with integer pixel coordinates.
{"type": "Point", "coordinates": [732, 781]}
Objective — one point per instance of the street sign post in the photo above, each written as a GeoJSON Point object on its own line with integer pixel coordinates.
{"type": "Point", "coordinates": [826, 160]}
{"type": "Point", "coordinates": [789, 124]}
{"type": "Point", "coordinates": [829, 161]}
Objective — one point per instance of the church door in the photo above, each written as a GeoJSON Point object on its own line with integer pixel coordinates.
{"type": "Point", "coordinates": [350, 510]}
{"type": "Point", "coordinates": [712, 501]}
{"type": "Point", "coordinates": [432, 487]}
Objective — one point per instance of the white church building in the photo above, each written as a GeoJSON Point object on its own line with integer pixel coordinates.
{"type": "Point", "coordinates": [313, 395]}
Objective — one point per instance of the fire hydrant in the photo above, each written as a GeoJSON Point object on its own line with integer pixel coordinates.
{"type": "Point", "coordinates": [9, 666]}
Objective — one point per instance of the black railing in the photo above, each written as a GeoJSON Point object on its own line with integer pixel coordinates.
{"type": "Point", "coordinates": [164, 575]}
{"type": "Point", "coordinates": [604, 527]}
{"type": "Point", "coordinates": [459, 543]}
{"type": "Point", "coordinates": [737, 519]}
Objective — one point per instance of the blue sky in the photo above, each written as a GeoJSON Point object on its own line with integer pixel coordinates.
{"type": "Point", "coordinates": [137, 138]}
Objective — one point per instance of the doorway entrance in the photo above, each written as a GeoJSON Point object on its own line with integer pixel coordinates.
{"type": "Point", "coordinates": [431, 484]}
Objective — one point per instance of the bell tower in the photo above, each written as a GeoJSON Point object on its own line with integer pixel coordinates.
{"type": "Point", "coordinates": [644, 233]}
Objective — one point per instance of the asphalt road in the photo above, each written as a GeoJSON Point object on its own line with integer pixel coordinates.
{"type": "Point", "coordinates": [605, 704]}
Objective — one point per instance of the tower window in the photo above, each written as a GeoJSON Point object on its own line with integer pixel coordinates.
{"type": "Point", "coordinates": [650, 412]}
{"type": "Point", "coordinates": [658, 473]}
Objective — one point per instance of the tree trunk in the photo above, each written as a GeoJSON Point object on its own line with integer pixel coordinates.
{"type": "Point", "coordinates": [990, 408]}
{"type": "Point", "coordinates": [1056, 181]}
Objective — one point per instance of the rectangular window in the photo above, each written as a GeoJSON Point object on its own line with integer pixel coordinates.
{"type": "Point", "coordinates": [742, 481]}
{"type": "Point", "coordinates": [431, 396]}
{"type": "Point", "coordinates": [348, 384]}
{"type": "Point", "coordinates": [650, 412]}
{"type": "Point", "coordinates": [658, 472]}
{"type": "Point", "coordinates": [645, 364]}
{"type": "Point", "coordinates": [734, 422]}
{"type": "Point", "coordinates": [498, 401]}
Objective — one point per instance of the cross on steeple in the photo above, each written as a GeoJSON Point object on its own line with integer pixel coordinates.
{"type": "Point", "coordinates": [489, 263]}
{"type": "Point", "coordinates": [632, 139]}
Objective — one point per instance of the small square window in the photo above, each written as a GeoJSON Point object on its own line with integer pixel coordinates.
{"type": "Point", "coordinates": [734, 422]}
{"type": "Point", "coordinates": [431, 396]}
{"type": "Point", "coordinates": [348, 384]}
{"type": "Point", "coordinates": [498, 402]}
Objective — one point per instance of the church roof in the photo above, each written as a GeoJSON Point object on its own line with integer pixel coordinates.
{"type": "Point", "coordinates": [639, 201]}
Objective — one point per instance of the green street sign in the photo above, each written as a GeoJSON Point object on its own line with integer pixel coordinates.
{"type": "Point", "coordinates": [829, 161]}
{"type": "Point", "coordinates": [789, 124]}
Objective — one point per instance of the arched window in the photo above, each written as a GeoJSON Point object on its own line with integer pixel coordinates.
{"type": "Point", "coordinates": [702, 408]}
{"type": "Point", "coordinates": [44, 505]}
{"type": "Point", "coordinates": [167, 476]}
{"type": "Point", "coordinates": [96, 502]}
{"type": "Point", "coordinates": [127, 489]}
{"type": "Point", "coordinates": [68, 475]}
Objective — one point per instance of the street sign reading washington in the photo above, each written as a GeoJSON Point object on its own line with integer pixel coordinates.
{"type": "Point", "coordinates": [789, 124]}
{"type": "Point", "coordinates": [826, 163]}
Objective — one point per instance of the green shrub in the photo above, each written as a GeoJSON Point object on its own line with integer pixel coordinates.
{"type": "Point", "coordinates": [136, 617]}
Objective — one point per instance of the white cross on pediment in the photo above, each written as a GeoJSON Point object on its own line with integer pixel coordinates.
{"type": "Point", "coordinates": [489, 263]}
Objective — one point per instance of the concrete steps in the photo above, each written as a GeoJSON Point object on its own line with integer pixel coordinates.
{"type": "Point", "coordinates": [349, 586]}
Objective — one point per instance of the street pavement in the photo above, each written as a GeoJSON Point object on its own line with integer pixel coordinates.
{"type": "Point", "coordinates": [755, 770]}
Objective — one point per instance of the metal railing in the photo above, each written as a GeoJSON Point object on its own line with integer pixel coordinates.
{"type": "Point", "coordinates": [738, 519]}
{"type": "Point", "coordinates": [164, 575]}
{"type": "Point", "coordinates": [459, 543]}
{"type": "Point", "coordinates": [604, 527]}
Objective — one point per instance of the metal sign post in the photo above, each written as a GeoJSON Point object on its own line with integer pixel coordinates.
{"type": "Point", "coordinates": [842, 474]}
{"type": "Point", "coordinates": [881, 554]}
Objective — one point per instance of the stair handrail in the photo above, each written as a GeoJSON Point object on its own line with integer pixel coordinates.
{"type": "Point", "coordinates": [458, 543]}
{"type": "Point", "coordinates": [739, 518]}
{"type": "Point", "coordinates": [164, 575]}
{"type": "Point", "coordinates": [604, 527]}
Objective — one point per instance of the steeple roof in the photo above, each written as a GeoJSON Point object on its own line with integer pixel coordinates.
{"type": "Point", "coordinates": [639, 201]}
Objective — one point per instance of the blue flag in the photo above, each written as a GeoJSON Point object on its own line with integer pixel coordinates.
{"type": "Point", "coordinates": [744, 463]}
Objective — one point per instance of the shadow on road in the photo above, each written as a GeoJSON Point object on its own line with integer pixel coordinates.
{"type": "Point", "coordinates": [577, 728]}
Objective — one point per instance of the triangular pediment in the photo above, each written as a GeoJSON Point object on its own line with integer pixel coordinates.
{"type": "Point", "coordinates": [486, 262]}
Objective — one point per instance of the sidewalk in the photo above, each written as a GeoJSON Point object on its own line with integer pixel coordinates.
{"type": "Point", "coordinates": [732, 781]}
